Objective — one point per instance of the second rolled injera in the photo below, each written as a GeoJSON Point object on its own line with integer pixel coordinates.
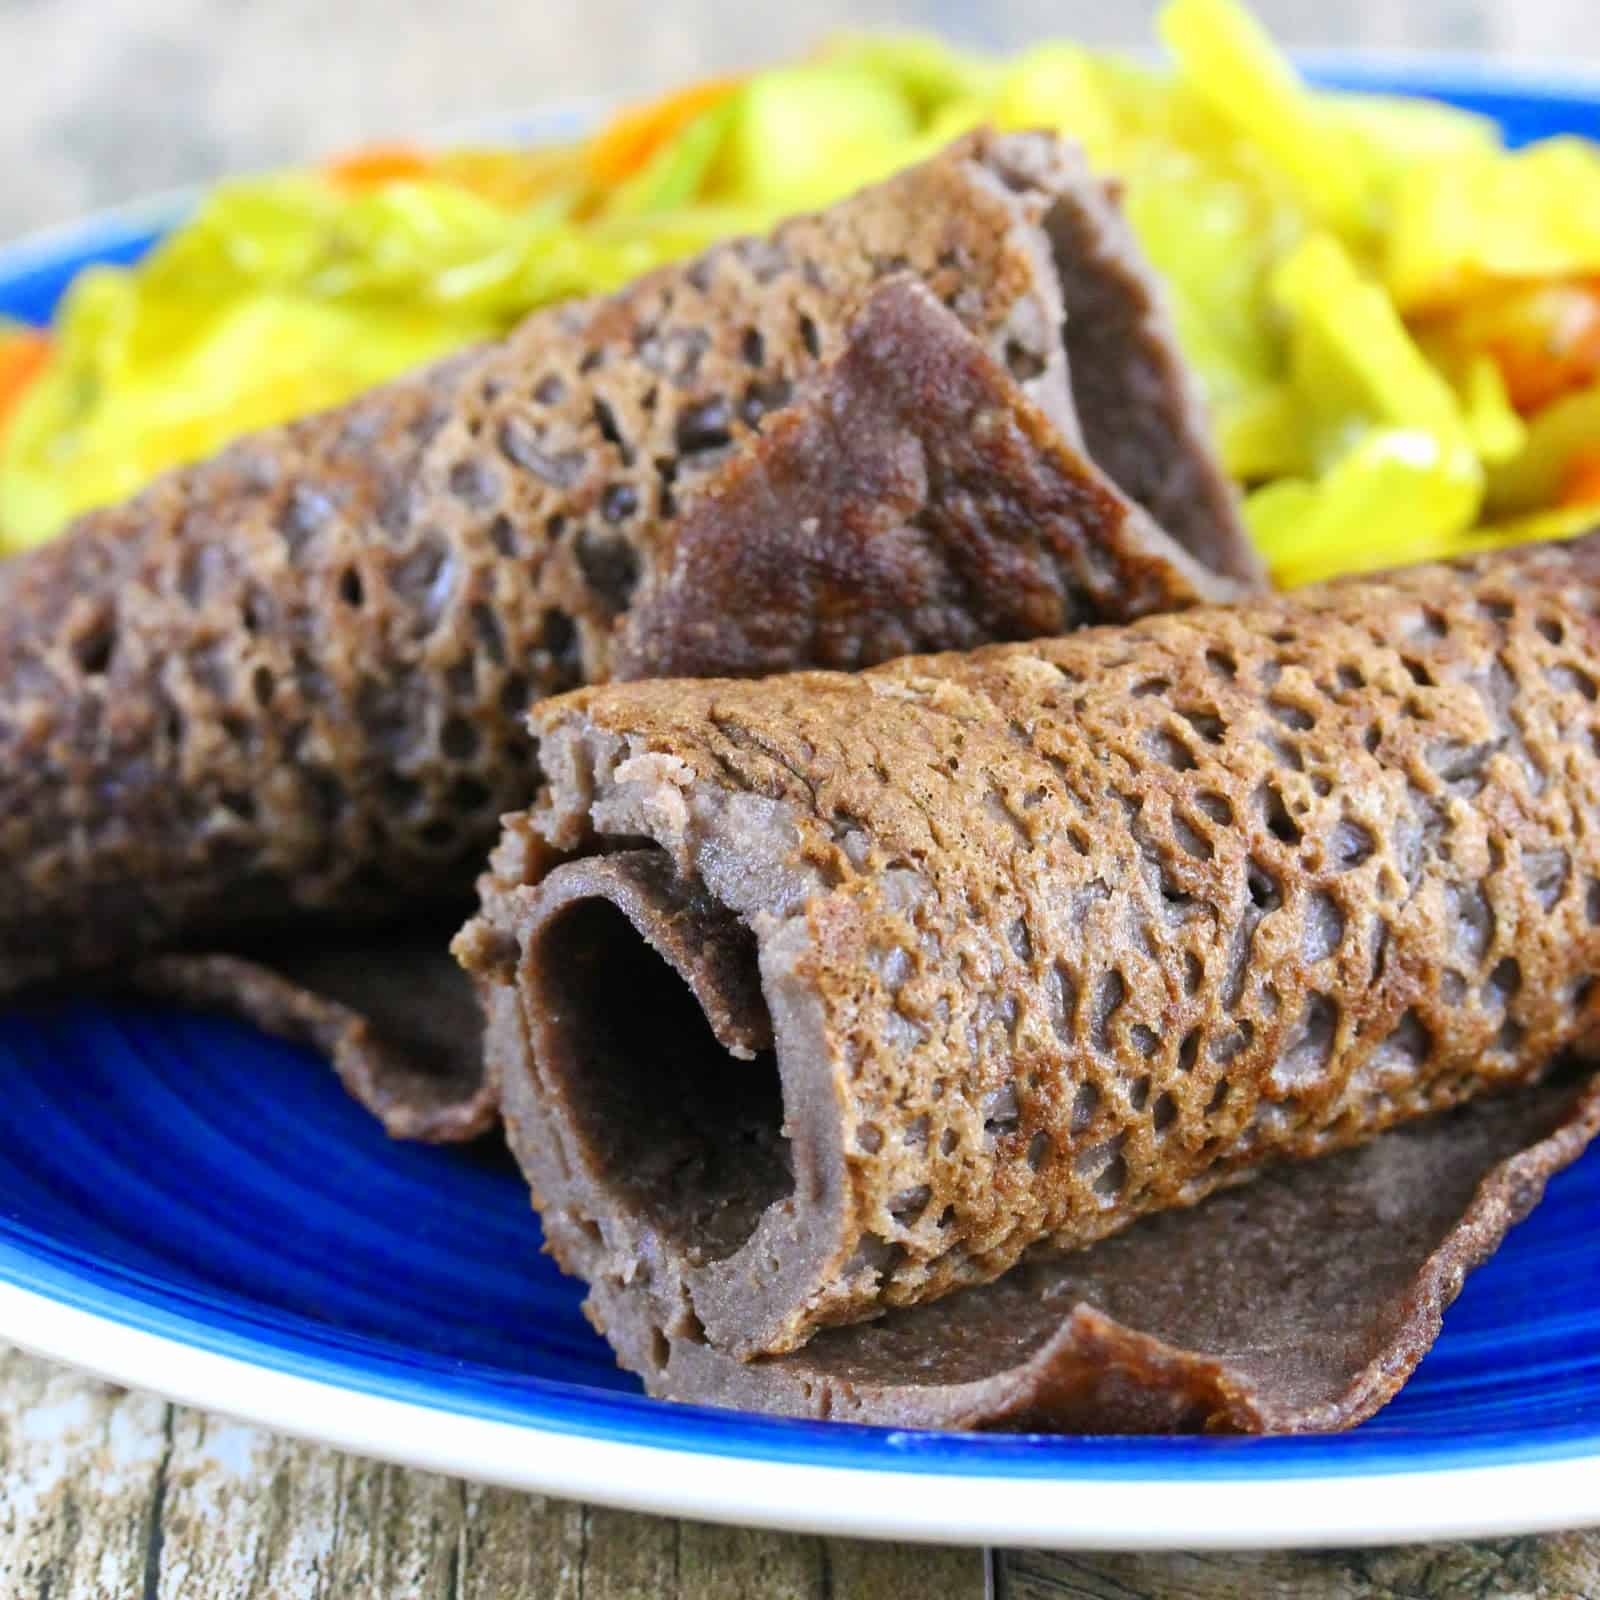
{"type": "Point", "coordinates": [287, 685]}
{"type": "Point", "coordinates": [936, 975]}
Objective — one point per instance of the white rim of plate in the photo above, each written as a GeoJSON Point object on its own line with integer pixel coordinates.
{"type": "Point", "coordinates": [1151, 1512]}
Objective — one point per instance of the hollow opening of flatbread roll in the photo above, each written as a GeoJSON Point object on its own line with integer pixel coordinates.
{"type": "Point", "coordinates": [688, 1135]}
{"type": "Point", "coordinates": [684, 1108]}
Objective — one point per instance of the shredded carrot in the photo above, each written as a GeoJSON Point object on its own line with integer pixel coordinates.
{"type": "Point", "coordinates": [22, 359]}
{"type": "Point", "coordinates": [1581, 484]}
{"type": "Point", "coordinates": [1558, 349]}
{"type": "Point", "coordinates": [628, 141]}
{"type": "Point", "coordinates": [376, 164]}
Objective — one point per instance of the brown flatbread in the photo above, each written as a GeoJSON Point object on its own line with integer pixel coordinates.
{"type": "Point", "coordinates": [1300, 1302]}
{"type": "Point", "coordinates": [395, 1017]}
{"type": "Point", "coordinates": [1033, 941]}
{"type": "Point", "coordinates": [916, 494]}
{"type": "Point", "coordinates": [287, 684]}
{"type": "Point", "coordinates": [1134, 397]}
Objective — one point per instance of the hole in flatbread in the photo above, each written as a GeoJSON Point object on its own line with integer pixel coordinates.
{"type": "Point", "coordinates": [692, 1135]}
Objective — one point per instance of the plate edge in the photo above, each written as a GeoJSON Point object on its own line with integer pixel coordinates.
{"type": "Point", "coordinates": [1060, 1512]}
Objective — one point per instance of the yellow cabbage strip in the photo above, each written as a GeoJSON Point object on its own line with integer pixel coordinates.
{"type": "Point", "coordinates": [1393, 132]}
{"type": "Point", "coordinates": [1390, 135]}
{"type": "Point", "coordinates": [1493, 216]}
{"type": "Point", "coordinates": [1497, 432]}
{"type": "Point", "coordinates": [261, 361]}
{"type": "Point", "coordinates": [551, 176]}
{"type": "Point", "coordinates": [1556, 438]}
{"type": "Point", "coordinates": [281, 297]}
{"type": "Point", "coordinates": [1396, 463]}
{"type": "Point", "coordinates": [1555, 522]}
{"type": "Point", "coordinates": [1225, 55]}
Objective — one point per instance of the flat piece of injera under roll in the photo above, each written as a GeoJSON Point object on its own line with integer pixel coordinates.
{"type": "Point", "coordinates": [288, 683]}
{"type": "Point", "coordinates": [397, 1022]}
{"type": "Point", "coordinates": [940, 972]}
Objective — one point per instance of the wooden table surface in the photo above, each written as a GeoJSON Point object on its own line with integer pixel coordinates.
{"type": "Point", "coordinates": [106, 1495]}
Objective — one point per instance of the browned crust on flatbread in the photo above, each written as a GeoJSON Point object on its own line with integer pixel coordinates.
{"type": "Point", "coordinates": [913, 494]}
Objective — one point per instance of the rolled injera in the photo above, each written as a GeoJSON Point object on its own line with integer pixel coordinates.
{"type": "Point", "coordinates": [830, 998]}
{"type": "Point", "coordinates": [288, 684]}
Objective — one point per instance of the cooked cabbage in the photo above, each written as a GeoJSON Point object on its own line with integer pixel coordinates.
{"type": "Point", "coordinates": [1396, 321]}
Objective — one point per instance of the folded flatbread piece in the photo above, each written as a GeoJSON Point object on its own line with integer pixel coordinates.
{"type": "Point", "coordinates": [818, 997]}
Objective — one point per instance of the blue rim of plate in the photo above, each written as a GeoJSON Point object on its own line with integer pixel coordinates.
{"type": "Point", "coordinates": [38, 1277]}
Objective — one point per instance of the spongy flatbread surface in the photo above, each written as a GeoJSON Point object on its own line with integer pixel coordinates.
{"type": "Point", "coordinates": [1094, 926]}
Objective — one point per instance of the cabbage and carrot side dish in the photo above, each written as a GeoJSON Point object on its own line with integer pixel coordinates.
{"type": "Point", "coordinates": [1396, 319]}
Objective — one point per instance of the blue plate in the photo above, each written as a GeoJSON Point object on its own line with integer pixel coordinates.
{"type": "Point", "coordinates": [190, 1207]}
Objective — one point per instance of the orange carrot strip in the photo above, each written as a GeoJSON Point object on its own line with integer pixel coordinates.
{"type": "Point", "coordinates": [1557, 347]}
{"type": "Point", "coordinates": [628, 141]}
{"type": "Point", "coordinates": [1581, 485]}
{"type": "Point", "coordinates": [376, 164]}
{"type": "Point", "coordinates": [22, 360]}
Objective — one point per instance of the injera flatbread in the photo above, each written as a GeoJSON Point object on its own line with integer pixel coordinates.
{"type": "Point", "coordinates": [971, 960]}
{"type": "Point", "coordinates": [287, 684]}
{"type": "Point", "coordinates": [397, 1020]}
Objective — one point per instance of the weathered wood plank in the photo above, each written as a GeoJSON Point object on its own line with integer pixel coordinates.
{"type": "Point", "coordinates": [80, 1464]}
{"type": "Point", "coordinates": [628, 1557]}
{"type": "Point", "coordinates": [732, 1563]}
{"type": "Point", "coordinates": [397, 1533]}
{"type": "Point", "coordinates": [1556, 1567]}
{"type": "Point", "coordinates": [116, 1496]}
{"type": "Point", "coordinates": [520, 1544]}
{"type": "Point", "coordinates": [904, 1571]}
{"type": "Point", "coordinates": [238, 1505]}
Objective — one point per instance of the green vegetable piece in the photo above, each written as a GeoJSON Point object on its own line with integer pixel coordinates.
{"type": "Point", "coordinates": [803, 136]}
{"type": "Point", "coordinates": [677, 174]}
{"type": "Point", "coordinates": [927, 71]}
